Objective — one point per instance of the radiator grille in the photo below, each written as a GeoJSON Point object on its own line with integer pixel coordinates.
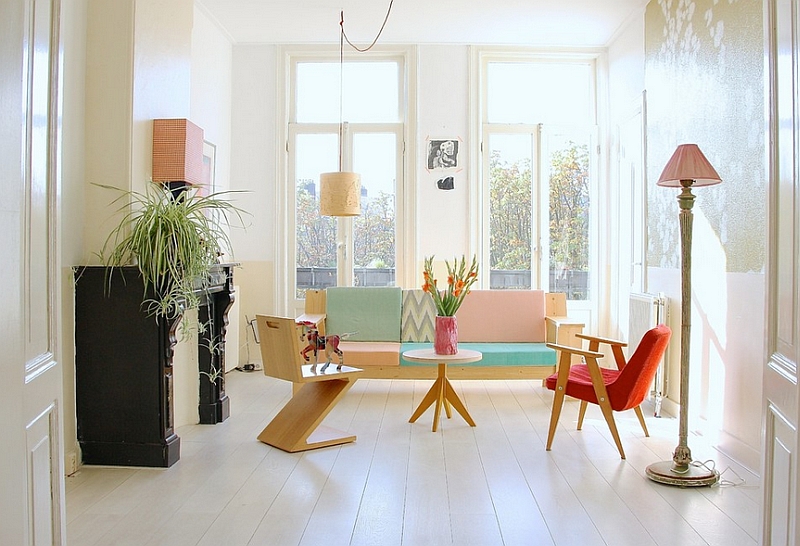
{"type": "Point", "coordinates": [647, 311]}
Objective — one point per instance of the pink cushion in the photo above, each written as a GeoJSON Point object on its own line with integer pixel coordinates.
{"type": "Point", "coordinates": [362, 354]}
{"type": "Point", "coordinates": [515, 316]}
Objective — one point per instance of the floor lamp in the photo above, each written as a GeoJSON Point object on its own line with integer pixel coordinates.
{"type": "Point", "coordinates": [686, 168]}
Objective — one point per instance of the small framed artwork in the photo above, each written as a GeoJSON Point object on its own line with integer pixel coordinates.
{"type": "Point", "coordinates": [209, 164]}
{"type": "Point", "coordinates": [443, 154]}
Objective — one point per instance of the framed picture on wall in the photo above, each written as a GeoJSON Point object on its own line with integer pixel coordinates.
{"type": "Point", "coordinates": [442, 153]}
{"type": "Point", "coordinates": [209, 164]}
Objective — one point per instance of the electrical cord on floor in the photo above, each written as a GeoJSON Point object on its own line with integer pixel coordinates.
{"type": "Point", "coordinates": [249, 367]}
{"type": "Point", "coordinates": [710, 466]}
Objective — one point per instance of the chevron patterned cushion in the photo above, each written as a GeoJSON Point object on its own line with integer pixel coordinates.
{"type": "Point", "coordinates": [419, 312]}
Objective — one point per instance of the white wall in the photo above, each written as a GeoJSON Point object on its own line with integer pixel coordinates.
{"type": "Point", "coordinates": [73, 176]}
{"type": "Point", "coordinates": [254, 155]}
{"type": "Point", "coordinates": [443, 222]}
{"type": "Point", "coordinates": [211, 73]}
{"type": "Point", "coordinates": [137, 68]}
{"type": "Point", "coordinates": [625, 91]}
{"type": "Point", "coordinates": [626, 67]}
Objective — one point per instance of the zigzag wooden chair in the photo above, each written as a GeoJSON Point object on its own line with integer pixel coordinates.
{"type": "Point", "coordinates": [613, 390]}
{"type": "Point", "coordinates": [296, 427]}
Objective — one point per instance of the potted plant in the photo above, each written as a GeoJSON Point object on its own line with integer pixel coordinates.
{"type": "Point", "coordinates": [161, 259]}
{"type": "Point", "coordinates": [460, 279]}
{"type": "Point", "coordinates": [174, 239]}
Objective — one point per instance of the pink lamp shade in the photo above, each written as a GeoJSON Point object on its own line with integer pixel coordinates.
{"type": "Point", "coordinates": [177, 151]}
{"type": "Point", "coordinates": [688, 163]}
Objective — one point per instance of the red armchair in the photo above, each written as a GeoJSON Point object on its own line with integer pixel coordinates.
{"type": "Point", "coordinates": [612, 389]}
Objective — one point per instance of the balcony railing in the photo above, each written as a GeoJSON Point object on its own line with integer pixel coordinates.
{"type": "Point", "coordinates": [574, 283]}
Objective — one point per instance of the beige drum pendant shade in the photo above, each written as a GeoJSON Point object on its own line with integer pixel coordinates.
{"type": "Point", "coordinates": [340, 194]}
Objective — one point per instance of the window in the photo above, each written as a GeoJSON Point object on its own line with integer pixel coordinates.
{"type": "Point", "coordinates": [538, 133]}
{"type": "Point", "coordinates": [326, 251]}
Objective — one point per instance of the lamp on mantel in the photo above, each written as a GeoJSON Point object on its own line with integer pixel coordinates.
{"type": "Point", "coordinates": [686, 168]}
{"type": "Point", "coordinates": [340, 192]}
{"type": "Point", "coordinates": [177, 154]}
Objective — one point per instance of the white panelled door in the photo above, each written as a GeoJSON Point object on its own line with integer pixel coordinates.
{"type": "Point", "coordinates": [781, 448]}
{"type": "Point", "coordinates": [31, 473]}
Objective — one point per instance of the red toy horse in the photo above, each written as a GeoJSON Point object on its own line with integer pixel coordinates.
{"type": "Point", "coordinates": [316, 343]}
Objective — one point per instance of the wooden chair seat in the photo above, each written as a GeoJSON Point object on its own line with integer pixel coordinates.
{"type": "Point", "coordinates": [296, 427]}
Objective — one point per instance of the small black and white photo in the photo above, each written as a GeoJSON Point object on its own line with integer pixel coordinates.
{"type": "Point", "coordinates": [443, 154]}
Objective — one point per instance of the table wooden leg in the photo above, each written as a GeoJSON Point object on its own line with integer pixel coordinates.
{"type": "Point", "coordinates": [442, 394]}
{"type": "Point", "coordinates": [440, 399]}
{"type": "Point", "coordinates": [452, 398]}
{"type": "Point", "coordinates": [430, 397]}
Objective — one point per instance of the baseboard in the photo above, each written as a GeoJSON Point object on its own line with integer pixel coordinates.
{"type": "Point", "coordinates": [670, 408]}
{"type": "Point", "coordinates": [71, 463]}
{"type": "Point", "coordinates": [744, 454]}
{"type": "Point", "coordinates": [725, 443]}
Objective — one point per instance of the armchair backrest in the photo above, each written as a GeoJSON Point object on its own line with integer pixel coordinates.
{"type": "Point", "coordinates": [634, 382]}
{"type": "Point", "coordinates": [279, 339]}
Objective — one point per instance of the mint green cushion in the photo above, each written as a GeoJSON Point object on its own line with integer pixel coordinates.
{"type": "Point", "coordinates": [495, 354]}
{"type": "Point", "coordinates": [369, 313]}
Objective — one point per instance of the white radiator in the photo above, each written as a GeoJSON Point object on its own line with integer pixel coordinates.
{"type": "Point", "coordinates": [646, 312]}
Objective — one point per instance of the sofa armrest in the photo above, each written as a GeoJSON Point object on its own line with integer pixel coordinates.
{"type": "Point", "coordinates": [564, 331]}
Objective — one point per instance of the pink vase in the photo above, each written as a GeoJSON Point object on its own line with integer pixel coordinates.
{"type": "Point", "coordinates": [445, 340]}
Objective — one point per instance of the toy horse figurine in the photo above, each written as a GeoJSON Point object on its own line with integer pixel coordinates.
{"type": "Point", "coordinates": [316, 343]}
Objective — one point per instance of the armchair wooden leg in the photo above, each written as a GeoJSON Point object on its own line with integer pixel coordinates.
{"type": "Point", "coordinates": [638, 410]}
{"type": "Point", "coordinates": [608, 413]}
{"type": "Point", "coordinates": [582, 414]}
{"type": "Point", "coordinates": [558, 395]}
{"type": "Point", "coordinates": [602, 400]}
{"type": "Point", "coordinates": [296, 426]}
{"type": "Point", "coordinates": [555, 413]}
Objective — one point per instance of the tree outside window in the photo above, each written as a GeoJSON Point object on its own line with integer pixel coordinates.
{"type": "Point", "coordinates": [511, 215]}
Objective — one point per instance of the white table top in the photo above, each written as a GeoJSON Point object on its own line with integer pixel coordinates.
{"type": "Point", "coordinates": [428, 355]}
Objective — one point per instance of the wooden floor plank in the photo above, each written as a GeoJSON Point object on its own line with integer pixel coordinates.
{"type": "Point", "coordinates": [401, 484]}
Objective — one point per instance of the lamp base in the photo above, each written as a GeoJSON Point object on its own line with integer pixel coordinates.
{"type": "Point", "coordinates": [695, 476]}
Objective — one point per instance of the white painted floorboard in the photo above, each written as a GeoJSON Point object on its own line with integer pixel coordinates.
{"type": "Point", "coordinates": [401, 484]}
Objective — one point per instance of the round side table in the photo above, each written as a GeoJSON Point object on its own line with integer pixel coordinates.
{"type": "Point", "coordinates": [442, 391]}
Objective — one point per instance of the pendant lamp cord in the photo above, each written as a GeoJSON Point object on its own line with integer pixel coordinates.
{"type": "Point", "coordinates": [351, 44]}
{"type": "Point", "coordinates": [341, 88]}
{"type": "Point", "coordinates": [342, 39]}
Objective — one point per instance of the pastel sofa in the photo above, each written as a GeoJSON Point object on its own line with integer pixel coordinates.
{"type": "Point", "coordinates": [380, 323]}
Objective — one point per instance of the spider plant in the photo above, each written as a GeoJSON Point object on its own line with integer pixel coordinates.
{"type": "Point", "coordinates": [174, 241]}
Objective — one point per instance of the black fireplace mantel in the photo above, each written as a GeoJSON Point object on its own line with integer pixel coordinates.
{"type": "Point", "coordinates": [123, 366]}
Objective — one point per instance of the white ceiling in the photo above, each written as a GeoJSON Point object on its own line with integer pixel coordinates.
{"type": "Point", "coordinates": [580, 23]}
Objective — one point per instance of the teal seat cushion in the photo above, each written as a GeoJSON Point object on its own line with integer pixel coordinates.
{"type": "Point", "coordinates": [495, 354]}
{"type": "Point", "coordinates": [368, 313]}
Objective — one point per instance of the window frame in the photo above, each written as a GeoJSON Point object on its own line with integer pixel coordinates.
{"type": "Point", "coordinates": [479, 195]}
{"type": "Point", "coordinates": [287, 128]}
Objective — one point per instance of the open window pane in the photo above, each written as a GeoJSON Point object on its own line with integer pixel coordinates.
{"type": "Point", "coordinates": [315, 234]}
{"type": "Point", "coordinates": [375, 158]}
{"type": "Point", "coordinates": [510, 210]}
{"type": "Point", "coordinates": [566, 157]}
